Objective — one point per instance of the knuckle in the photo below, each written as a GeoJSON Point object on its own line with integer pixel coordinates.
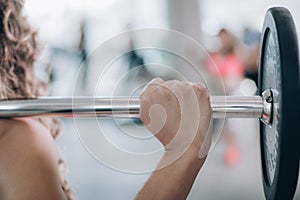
{"type": "Point", "coordinates": [205, 90]}
{"type": "Point", "coordinates": [159, 80]}
{"type": "Point", "coordinates": [202, 92]}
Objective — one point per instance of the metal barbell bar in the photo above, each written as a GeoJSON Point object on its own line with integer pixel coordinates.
{"type": "Point", "coordinates": [122, 107]}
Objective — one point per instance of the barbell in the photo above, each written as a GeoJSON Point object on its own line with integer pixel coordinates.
{"type": "Point", "coordinates": [277, 107]}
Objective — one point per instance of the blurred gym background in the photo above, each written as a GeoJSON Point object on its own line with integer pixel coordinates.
{"type": "Point", "coordinates": [79, 43]}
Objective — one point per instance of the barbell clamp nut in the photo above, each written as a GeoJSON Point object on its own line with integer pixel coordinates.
{"type": "Point", "coordinates": [267, 97]}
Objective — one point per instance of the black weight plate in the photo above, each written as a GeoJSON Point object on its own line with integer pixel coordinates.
{"type": "Point", "coordinates": [279, 71]}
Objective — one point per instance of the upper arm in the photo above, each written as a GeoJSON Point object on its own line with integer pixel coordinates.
{"type": "Point", "coordinates": [28, 163]}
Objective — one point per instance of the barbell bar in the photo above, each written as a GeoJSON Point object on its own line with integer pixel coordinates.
{"type": "Point", "coordinates": [121, 107]}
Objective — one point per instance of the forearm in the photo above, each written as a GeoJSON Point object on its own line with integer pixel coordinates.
{"type": "Point", "coordinates": [175, 180]}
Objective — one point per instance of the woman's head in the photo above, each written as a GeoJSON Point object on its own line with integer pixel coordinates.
{"type": "Point", "coordinates": [227, 41]}
{"type": "Point", "coordinates": [18, 51]}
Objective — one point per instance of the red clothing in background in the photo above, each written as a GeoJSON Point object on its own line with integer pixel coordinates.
{"type": "Point", "coordinates": [225, 66]}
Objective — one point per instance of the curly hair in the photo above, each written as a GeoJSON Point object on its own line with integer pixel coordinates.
{"type": "Point", "coordinates": [18, 53]}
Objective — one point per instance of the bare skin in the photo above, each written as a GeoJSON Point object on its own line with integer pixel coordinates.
{"type": "Point", "coordinates": [180, 164]}
{"type": "Point", "coordinates": [28, 162]}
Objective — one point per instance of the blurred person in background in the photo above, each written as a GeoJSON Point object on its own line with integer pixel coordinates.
{"type": "Point", "coordinates": [226, 62]}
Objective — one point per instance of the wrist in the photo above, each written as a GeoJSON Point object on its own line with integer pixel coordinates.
{"type": "Point", "coordinates": [193, 152]}
{"type": "Point", "coordinates": [189, 154]}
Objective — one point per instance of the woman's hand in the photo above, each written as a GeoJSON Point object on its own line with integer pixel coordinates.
{"type": "Point", "coordinates": [178, 114]}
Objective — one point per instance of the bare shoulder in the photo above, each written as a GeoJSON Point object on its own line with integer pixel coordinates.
{"type": "Point", "coordinates": [25, 136]}
{"type": "Point", "coordinates": [28, 159]}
